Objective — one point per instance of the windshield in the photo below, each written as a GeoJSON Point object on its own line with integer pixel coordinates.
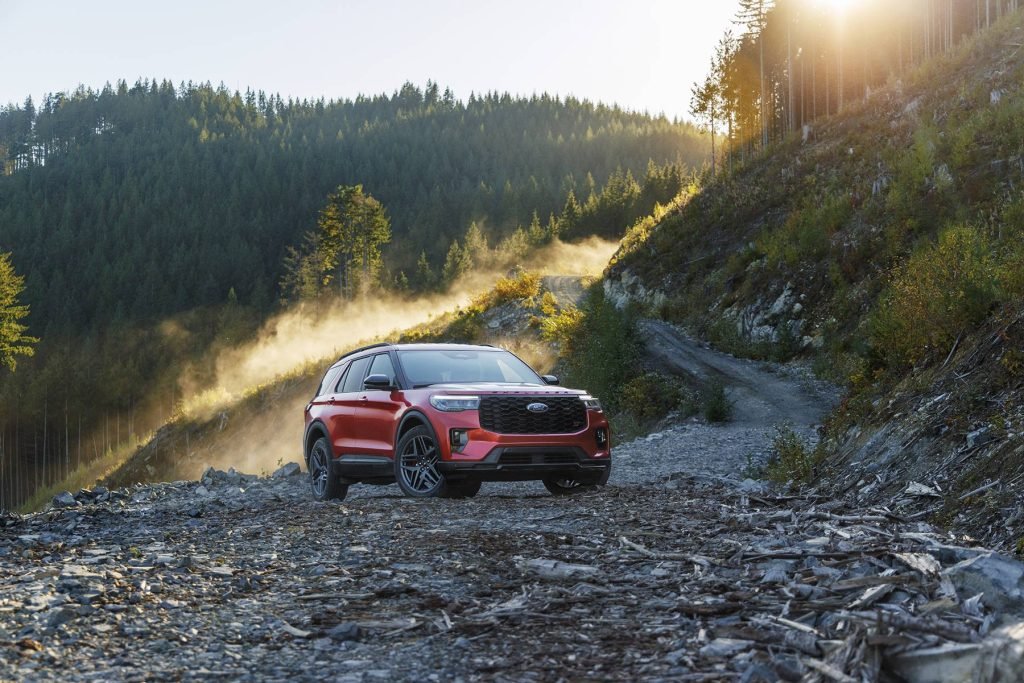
{"type": "Point", "coordinates": [426, 367]}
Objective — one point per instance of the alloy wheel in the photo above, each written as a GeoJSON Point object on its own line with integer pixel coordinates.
{"type": "Point", "coordinates": [319, 470]}
{"type": "Point", "coordinates": [418, 465]}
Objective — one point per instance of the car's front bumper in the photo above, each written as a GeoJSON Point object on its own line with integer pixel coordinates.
{"type": "Point", "coordinates": [528, 463]}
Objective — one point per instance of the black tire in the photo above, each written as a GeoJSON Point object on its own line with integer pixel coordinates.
{"type": "Point", "coordinates": [462, 489]}
{"type": "Point", "coordinates": [323, 482]}
{"type": "Point", "coordinates": [416, 458]}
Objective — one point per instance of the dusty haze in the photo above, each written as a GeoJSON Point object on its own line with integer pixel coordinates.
{"type": "Point", "coordinates": [302, 335]}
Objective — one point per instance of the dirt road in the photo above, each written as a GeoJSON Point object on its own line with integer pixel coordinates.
{"type": "Point", "coordinates": [764, 396]}
{"type": "Point", "coordinates": [761, 393]}
{"type": "Point", "coordinates": [568, 289]}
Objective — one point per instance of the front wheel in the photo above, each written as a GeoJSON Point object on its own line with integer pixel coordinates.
{"type": "Point", "coordinates": [323, 482]}
{"type": "Point", "coordinates": [416, 460]}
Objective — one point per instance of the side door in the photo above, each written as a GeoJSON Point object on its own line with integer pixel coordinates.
{"type": "Point", "coordinates": [323, 407]}
{"type": "Point", "coordinates": [378, 410]}
{"type": "Point", "coordinates": [347, 431]}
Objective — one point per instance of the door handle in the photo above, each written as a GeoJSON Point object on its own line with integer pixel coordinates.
{"type": "Point", "coordinates": [332, 400]}
{"type": "Point", "coordinates": [364, 398]}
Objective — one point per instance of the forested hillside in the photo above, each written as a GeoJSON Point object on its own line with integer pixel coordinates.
{"type": "Point", "coordinates": [151, 222]}
{"type": "Point", "coordinates": [887, 249]}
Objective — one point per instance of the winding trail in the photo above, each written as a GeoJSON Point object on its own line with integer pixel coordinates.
{"type": "Point", "coordinates": [762, 393]}
{"type": "Point", "coordinates": [568, 289]}
{"type": "Point", "coordinates": [764, 396]}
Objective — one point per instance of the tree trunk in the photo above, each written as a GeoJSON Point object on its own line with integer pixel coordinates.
{"type": "Point", "coordinates": [791, 104]}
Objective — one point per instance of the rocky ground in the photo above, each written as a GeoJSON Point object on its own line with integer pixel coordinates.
{"type": "Point", "coordinates": [682, 578]}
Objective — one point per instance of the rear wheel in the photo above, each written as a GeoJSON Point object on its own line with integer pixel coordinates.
{"type": "Point", "coordinates": [416, 460]}
{"type": "Point", "coordinates": [323, 482]}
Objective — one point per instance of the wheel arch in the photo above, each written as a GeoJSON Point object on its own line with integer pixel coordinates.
{"type": "Point", "coordinates": [414, 418]}
{"type": "Point", "coordinates": [316, 430]}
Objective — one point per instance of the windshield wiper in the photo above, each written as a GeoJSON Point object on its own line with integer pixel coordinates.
{"type": "Point", "coordinates": [422, 386]}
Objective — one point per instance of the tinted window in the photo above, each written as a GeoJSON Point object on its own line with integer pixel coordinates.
{"type": "Point", "coordinates": [354, 378]}
{"type": "Point", "coordinates": [382, 366]}
{"type": "Point", "coordinates": [337, 389]}
{"type": "Point", "coordinates": [459, 366]}
{"type": "Point", "coordinates": [327, 384]}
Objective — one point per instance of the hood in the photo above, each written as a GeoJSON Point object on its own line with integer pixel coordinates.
{"type": "Point", "coordinates": [479, 388]}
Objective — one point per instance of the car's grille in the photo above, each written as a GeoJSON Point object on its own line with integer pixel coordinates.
{"type": "Point", "coordinates": [509, 414]}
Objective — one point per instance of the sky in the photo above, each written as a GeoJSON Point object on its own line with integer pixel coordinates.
{"type": "Point", "coordinates": [643, 55]}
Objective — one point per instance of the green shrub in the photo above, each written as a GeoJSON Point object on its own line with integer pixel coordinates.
{"type": "Point", "coordinates": [561, 325]}
{"type": "Point", "coordinates": [717, 406]}
{"type": "Point", "coordinates": [600, 348]}
{"type": "Point", "coordinates": [523, 285]}
{"type": "Point", "coordinates": [651, 396]}
{"type": "Point", "coordinates": [937, 294]}
{"type": "Point", "coordinates": [792, 460]}
{"type": "Point", "coordinates": [806, 236]}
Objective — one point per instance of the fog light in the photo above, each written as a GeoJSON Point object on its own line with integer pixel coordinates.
{"type": "Point", "coordinates": [602, 437]}
{"type": "Point", "coordinates": [458, 439]}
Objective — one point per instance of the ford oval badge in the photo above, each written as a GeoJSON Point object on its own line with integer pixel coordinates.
{"type": "Point", "coordinates": [537, 407]}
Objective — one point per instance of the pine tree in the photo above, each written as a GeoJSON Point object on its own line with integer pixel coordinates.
{"type": "Point", "coordinates": [704, 106]}
{"type": "Point", "coordinates": [753, 14]}
{"type": "Point", "coordinates": [570, 216]}
{"type": "Point", "coordinates": [456, 263]}
{"type": "Point", "coordinates": [353, 227]}
{"type": "Point", "coordinates": [535, 233]}
{"type": "Point", "coordinates": [476, 245]}
{"type": "Point", "coordinates": [426, 279]}
{"type": "Point", "coordinates": [13, 340]}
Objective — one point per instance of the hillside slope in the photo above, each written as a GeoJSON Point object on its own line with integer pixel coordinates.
{"type": "Point", "coordinates": [887, 247]}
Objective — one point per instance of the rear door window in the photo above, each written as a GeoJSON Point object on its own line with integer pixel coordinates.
{"type": "Point", "coordinates": [329, 380]}
{"type": "Point", "coordinates": [354, 379]}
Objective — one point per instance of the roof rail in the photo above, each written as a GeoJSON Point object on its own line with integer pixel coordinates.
{"type": "Point", "coordinates": [364, 348]}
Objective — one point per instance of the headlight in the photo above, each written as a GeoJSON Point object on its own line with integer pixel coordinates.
{"type": "Point", "coordinates": [454, 404]}
{"type": "Point", "coordinates": [590, 402]}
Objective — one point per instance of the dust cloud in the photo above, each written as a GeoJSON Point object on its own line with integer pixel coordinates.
{"type": "Point", "coordinates": [310, 337]}
{"type": "Point", "coordinates": [306, 333]}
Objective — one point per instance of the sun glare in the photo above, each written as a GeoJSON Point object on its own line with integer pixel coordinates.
{"type": "Point", "coordinates": [837, 5]}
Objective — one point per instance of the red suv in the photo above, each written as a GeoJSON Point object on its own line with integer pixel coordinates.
{"type": "Point", "coordinates": [439, 419]}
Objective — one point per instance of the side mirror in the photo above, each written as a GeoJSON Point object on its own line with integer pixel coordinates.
{"type": "Point", "coordinates": [377, 382]}
{"type": "Point", "coordinates": [549, 379]}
